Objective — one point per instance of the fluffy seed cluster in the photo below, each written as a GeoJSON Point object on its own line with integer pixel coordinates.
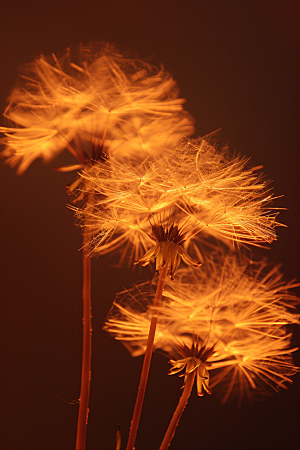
{"type": "Point", "coordinates": [192, 186]}
{"type": "Point", "coordinates": [94, 95]}
{"type": "Point", "coordinates": [123, 120]}
{"type": "Point", "coordinates": [228, 319]}
{"type": "Point", "coordinates": [144, 187]}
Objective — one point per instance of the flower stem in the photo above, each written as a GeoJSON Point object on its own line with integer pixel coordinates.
{"type": "Point", "coordinates": [178, 411]}
{"type": "Point", "coordinates": [86, 354]}
{"type": "Point", "coordinates": [146, 365]}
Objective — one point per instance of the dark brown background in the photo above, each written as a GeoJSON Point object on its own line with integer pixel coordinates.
{"type": "Point", "coordinates": [237, 64]}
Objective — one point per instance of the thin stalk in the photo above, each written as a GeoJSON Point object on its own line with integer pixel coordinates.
{"type": "Point", "coordinates": [146, 364]}
{"type": "Point", "coordinates": [178, 411]}
{"type": "Point", "coordinates": [86, 354]}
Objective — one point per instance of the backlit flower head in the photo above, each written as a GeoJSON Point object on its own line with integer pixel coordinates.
{"type": "Point", "coordinates": [186, 191]}
{"type": "Point", "coordinates": [226, 322]}
{"type": "Point", "coordinates": [92, 97]}
{"type": "Point", "coordinates": [126, 201]}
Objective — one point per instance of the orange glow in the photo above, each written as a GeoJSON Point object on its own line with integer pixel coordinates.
{"type": "Point", "coordinates": [237, 308]}
{"type": "Point", "coordinates": [193, 185]}
{"type": "Point", "coordinates": [88, 95]}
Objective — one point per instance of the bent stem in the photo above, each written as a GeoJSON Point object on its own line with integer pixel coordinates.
{"type": "Point", "coordinates": [86, 354]}
{"type": "Point", "coordinates": [146, 364]}
{"type": "Point", "coordinates": [178, 411]}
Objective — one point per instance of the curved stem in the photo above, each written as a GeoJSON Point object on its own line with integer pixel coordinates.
{"type": "Point", "coordinates": [86, 354]}
{"type": "Point", "coordinates": [146, 364]}
{"type": "Point", "coordinates": [189, 381]}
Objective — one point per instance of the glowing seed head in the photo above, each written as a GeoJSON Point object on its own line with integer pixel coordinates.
{"type": "Point", "coordinates": [92, 95]}
{"type": "Point", "coordinates": [227, 322]}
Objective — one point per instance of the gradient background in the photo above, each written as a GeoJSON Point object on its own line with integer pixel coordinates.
{"type": "Point", "coordinates": [237, 64]}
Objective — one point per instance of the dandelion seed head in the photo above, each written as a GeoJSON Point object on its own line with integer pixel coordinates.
{"type": "Point", "coordinates": [193, 185]}
{"type": "Point", "coordinates": [92, 94]}
{"type": "Point", "coordinates": [228, 320]}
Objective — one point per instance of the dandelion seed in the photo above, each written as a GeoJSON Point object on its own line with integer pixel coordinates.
{"type": "Point", "coordinates": [130, 317]}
